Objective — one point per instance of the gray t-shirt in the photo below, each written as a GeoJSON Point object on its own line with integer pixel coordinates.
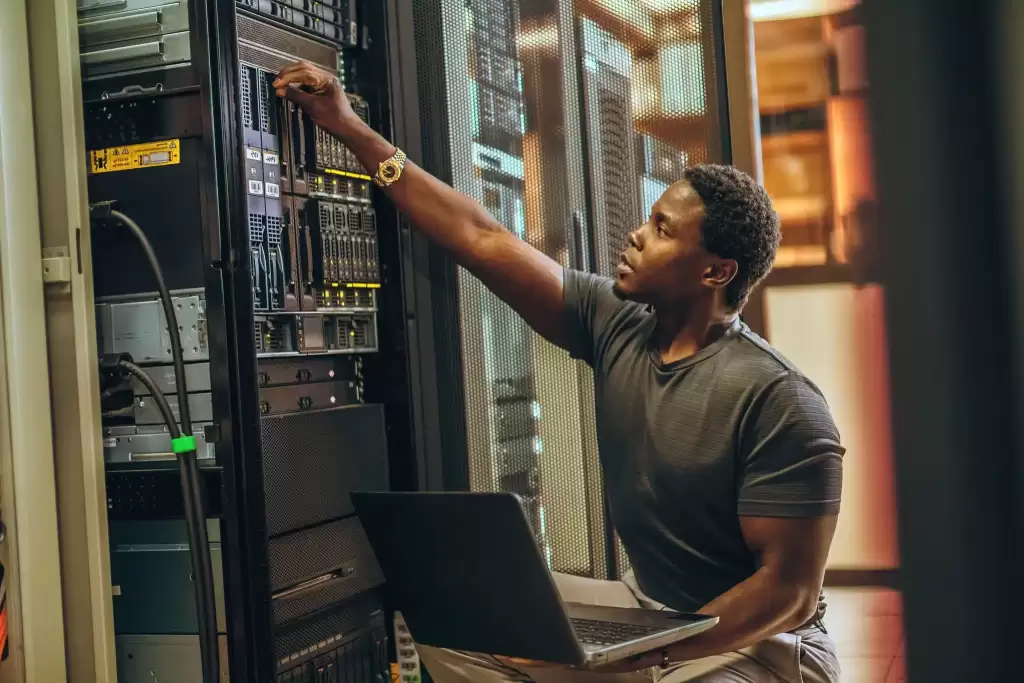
{"type": "Point", "coordinates": [688, 447]}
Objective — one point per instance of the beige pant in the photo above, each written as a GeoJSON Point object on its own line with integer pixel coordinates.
{"type": "Point", "coordinates": [803, 657]}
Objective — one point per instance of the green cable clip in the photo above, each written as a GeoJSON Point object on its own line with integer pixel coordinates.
{"type": "Point", "coordinates": [183, 444]}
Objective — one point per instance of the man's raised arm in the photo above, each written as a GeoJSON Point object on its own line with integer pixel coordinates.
{"type": "Point", "coordinates": [526, 279]}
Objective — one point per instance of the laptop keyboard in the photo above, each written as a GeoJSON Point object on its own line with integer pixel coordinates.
{"type": "Point", "coordinates": [609, 633]}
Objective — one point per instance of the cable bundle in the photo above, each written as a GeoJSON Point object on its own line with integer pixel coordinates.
{"type": "Point", "coordinates": [183, 443]}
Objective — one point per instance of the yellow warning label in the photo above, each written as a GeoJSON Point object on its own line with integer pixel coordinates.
{"type": "Point", "coordinates": [347, 174]}
{"type": "Point", "coordinates": [131, 157]}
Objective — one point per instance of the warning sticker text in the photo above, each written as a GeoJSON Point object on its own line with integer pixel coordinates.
{"type": "Point", "coordinates": [131, 157]}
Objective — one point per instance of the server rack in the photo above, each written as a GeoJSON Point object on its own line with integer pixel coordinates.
{"type": "Point", "coordinates": [286, 273]}
{"type": "Point", "coordinates": [608, 99]}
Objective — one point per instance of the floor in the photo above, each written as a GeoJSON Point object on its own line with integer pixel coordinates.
{"type": "Point", "coordinates": [867, 627]}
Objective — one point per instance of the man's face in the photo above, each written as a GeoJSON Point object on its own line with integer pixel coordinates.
{"type": "Point", "coordinates": [664, 263]}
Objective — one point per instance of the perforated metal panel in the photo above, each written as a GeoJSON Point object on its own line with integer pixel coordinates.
{"type": "Point", "coordinates": [245, 96]}
{"type": "Point", "coordinates": [274, 48]}
{"type": "Point", "coordinates": [565, 120]}
{"type": "Point", "coordinates": [524, 425]}
{"type": "Point", "coordinates": [345, 447]}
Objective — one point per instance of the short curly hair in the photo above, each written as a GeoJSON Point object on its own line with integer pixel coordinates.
{"type": "Point", "coordinates": [739, 223]}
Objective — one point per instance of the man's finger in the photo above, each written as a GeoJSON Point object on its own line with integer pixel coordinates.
{"type": "Point", "coordinates": [299, 97]}
{"type": "Point", "coordinates": [304, 74]}
{"type": "Point", "coordinates": [296, 66]}
{"type": "Point", "coordinates": [301, 76]}
{"type": "Point", "coordinates": [293, 81]}
{"type": "Point", "coordinates": [292, 75]}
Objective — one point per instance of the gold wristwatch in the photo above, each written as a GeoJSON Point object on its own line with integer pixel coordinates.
{"type": "Point", "coordinates": [390, 170]}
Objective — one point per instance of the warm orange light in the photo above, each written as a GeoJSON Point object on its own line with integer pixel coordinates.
{"type": "Point", "coordinates": [772, 10]}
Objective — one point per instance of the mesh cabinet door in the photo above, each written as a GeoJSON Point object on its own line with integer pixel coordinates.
{"type": "Point", "coordinates": [513, 141]}
{"type": "Point", "coordinates": [566, 120]}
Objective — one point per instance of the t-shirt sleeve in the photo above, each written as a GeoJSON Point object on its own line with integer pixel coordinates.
{"type": "Point", "coordinates": [591, 307]}
{"type": "Point", "coordinates": [792, 459]}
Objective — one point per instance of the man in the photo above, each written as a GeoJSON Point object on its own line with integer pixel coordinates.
{"type": "Point", "coordinates": [723, 467]}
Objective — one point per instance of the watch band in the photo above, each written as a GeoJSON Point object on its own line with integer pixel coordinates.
{"type": "Point", "coordinates": [390, 170]}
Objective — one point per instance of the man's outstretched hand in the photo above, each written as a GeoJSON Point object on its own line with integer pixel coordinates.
{"type": "Point", "coordinates": [320, 95]}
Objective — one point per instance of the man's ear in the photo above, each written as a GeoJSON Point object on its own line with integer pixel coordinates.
{"type": "Point", "coordinates": [720, 273]}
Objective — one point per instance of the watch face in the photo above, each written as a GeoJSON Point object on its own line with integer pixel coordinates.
{"type": "Point", "coordinates": [389, 171]}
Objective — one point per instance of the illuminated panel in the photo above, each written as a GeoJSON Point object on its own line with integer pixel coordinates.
{"type": "Point", "coordinates": [835, 334]}
{"type": "Point", "coordinates": [772, 10]}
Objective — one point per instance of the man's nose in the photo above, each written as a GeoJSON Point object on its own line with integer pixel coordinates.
{"type": "Point", "coordinates": [635, 240]}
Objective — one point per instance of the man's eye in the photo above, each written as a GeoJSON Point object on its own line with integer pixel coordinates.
{"type": "Point", "coordinates": [661, 229]}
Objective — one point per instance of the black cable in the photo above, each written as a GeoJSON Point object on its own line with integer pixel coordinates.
{"type": "Point", "coordinates": [191, 486]}
{"type": "Point", "coordinates": [169, 316]}
{"type": "Point", "coordinates": [202, 569]}
{"type": "Point", "coordinates": [154, 390]}
{"type": "Point", "coordinates": [195, 525]}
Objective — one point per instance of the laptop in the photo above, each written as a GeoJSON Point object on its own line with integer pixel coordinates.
{"type": "Point", "coordinates": [467, 574]}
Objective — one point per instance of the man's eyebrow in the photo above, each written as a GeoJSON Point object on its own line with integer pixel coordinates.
{"type": "Point", "coordinates": [669, 216]}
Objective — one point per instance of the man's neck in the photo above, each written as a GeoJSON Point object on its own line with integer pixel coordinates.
{"type": "Point", "coordinates": [683, 331]}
